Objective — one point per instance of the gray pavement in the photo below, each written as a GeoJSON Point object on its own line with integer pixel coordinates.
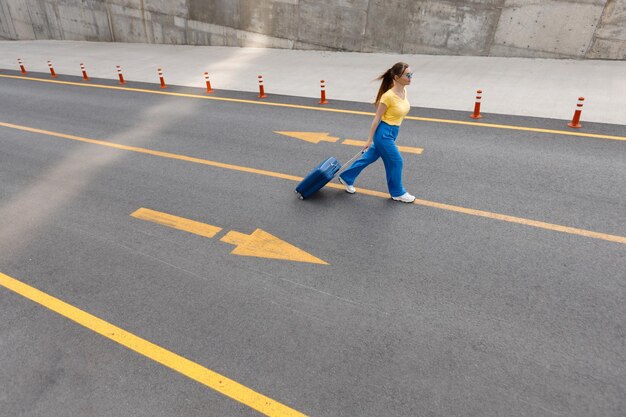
{"type": "Point", "coordinates": [422, 311]}
{"type": "Point", "coordinates": [547, 88]}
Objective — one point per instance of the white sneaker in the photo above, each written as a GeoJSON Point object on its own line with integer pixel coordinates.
{"type": "Point", "coordinates": [405, 198]}
{"type": "Point", "coordinates": [349, 188]}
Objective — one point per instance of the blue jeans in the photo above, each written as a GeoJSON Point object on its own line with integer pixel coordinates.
{"type": "Point", "coordinates": [384, 146]}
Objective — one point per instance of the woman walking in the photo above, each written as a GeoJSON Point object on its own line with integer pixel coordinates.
{"type": "Point", "coordinates": [392, 106]}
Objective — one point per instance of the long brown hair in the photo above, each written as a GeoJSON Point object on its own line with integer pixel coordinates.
{"type": "Point", "coordinates": [397, 69]}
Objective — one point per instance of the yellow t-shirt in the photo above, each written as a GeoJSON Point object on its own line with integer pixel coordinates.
{"type": "Point", "coordinates": [396, 108]}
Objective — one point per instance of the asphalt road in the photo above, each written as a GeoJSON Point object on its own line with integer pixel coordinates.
{"type": "Point", "coordinates": [469, 307]}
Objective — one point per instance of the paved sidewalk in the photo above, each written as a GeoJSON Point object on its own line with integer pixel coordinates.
{"type": "Point", "coordinates": [518, 86]}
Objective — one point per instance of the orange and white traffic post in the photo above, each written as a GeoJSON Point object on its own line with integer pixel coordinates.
{"type": "Point", "coordinates": [575, 123]}
{"type": "Point", "coordinates": [479, 97]}
{"type": "Point", "coordinates": [208, 83]}
{"type": "Point", "coordinates": [82, 68]}
{"type": "Point", "coordinates": [261, 88]}
{"type": "Point", "coordinates": [160, 71]}
{"type": "Point", "coordinates": [52, 73]}
{"type": "Point", "coordinates": [323, 92]}
{"type": "Point", "coordinates": [119, 74]}
{"type": "Point", "coordinates": [21, 64]}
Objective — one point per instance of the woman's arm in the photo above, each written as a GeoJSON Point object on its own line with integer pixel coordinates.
{"type": "Point", "coordinates": [382, 108]}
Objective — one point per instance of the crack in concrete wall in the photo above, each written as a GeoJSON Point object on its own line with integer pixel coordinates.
{"type": "Point", "coordinates": [529, 28]}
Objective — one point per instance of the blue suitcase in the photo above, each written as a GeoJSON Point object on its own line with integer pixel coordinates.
{"type": "Point", "coordinates": [320, 176]}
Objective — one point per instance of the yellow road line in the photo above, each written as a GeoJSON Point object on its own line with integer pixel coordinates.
{"type": "Point", "coordinates": [155, 153]}
{"type": "Point", "coordinates": [497, 216]}
{"type": "Point", "coordinates": [180, 223]}
{"type": "Point", "coordinates": [458, 209]}
{"type": "Point", "coordinates": [521, 128]}
{"type": "Point", "coordinates": [326, 109]}
{"type": "Point", "coordinates": [169, 93]}
{"type": "Point", "coordinates": [190, 369]}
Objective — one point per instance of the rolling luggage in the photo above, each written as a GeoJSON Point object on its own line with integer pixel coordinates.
{"type": "Point", "coordinates": [320, 176]}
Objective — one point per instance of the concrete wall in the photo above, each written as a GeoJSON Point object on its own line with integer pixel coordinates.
{"type": "Point", "coordinates": [527, 28]}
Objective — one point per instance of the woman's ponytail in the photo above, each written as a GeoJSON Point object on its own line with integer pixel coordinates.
{"type": "Point", "coordinates": [388, 78]}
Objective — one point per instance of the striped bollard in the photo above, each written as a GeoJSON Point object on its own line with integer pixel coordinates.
{"type": "Point", "coordinates": [119, 73]}
{"type": "Point", "coordinates": [52, 73]}
{"type": "Point", "coordinates": [575, 123]}
{"type": "Point", "coordinates": [82, 68]}
{"type": "Point", "coordinates": [476, 114]}
{"type": "Point", "coordinates": [323, 97]}
{"type": "Point", "coordinates": [21, 64]}
{"type": "Point", "coordinates": [160, 71]}
{"type": "Point", "coordinates": [208, 83]}
{"type": "Point", "coordinates": [261, 88]}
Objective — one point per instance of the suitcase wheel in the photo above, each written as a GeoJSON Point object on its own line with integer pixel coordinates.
{"type": "Point", "coordinates": [301, 198]}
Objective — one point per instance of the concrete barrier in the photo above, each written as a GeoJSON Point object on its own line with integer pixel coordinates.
{"type": "Point", "coordinates": [523, 28]}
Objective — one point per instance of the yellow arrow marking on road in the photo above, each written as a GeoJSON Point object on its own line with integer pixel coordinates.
{"type": "Point", "coordinates": [264, 245]}
{"type": "Point", "coordinates": [406, 149]}
{"type": "Point", "coordinates": [259, 244]}
{"type": "Point", "coordinates": [312, 137]}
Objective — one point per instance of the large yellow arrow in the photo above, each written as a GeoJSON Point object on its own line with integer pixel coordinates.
{"type": "Point", "coordinates": [264, 245]}
{"type": "Point", "coordinates": [313, 137]}
{"type": "Point", "coordinates": [259, 244]}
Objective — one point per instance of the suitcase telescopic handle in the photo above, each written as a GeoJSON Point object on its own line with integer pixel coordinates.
{"type": "Point", "coordinates": [351, 160]}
